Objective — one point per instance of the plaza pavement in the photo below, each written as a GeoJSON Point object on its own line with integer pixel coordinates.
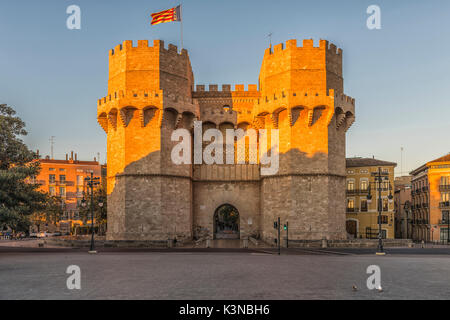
{"type": "Point", "coordinates": [36, 273]}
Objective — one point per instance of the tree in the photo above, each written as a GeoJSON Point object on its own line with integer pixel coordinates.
{"type": "Point", "coordinates": [19, 198]}
{"type": "Point", "coordinates": [53, 210]}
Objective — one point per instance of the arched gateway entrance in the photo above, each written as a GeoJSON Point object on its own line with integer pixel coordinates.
{"type": "Point", "coordinates": [226, 222]}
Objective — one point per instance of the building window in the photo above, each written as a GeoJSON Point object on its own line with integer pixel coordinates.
{"type": "Point", "coordinates": [445, 181]}
{"type": "Point", "coordinates": [445, 217]}
{"type": "Point", "coordinates": [350, 205]}
{"type": "Point", "coordinates": [62, 169]}
{"type": "Point", "coordinates": [62, 191]}
{"type": "Point", "coordinates": [364, 185]}
{"type": "Point", "coordinates": [62, 178]}
{"type": "Point", "coordinates": [350, 171]}
{"type": "Point", "coordinates": [79, 191]}
{"type": "Point", "coordinates": [444, 234]}
{"type": "Point", "coordinates": [80, 180]}
{"type": "Point", "coordinates": [51, 169]}
{"type": "Point", "coordinates": [384, 219]}
{"type": "Point", "coordinates": [350, 185]}
{"type": "Point", "coordinates": [385, 204]}
{"type": "Point", "coordinates": [51, 178]}
{"type": "Point", "coordinates": [52, 191]}
{"type": "Point", "coordinates": [373, 233]}
{"type": "Point", "coordinates": [363, 205]}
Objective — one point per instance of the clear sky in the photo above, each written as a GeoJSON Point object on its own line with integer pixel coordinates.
{"type": "Point", "coordinates": [399, 75]}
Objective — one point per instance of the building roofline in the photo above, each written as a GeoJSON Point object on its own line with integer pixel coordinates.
{"type": "Point", "coordinates": [357, 162]}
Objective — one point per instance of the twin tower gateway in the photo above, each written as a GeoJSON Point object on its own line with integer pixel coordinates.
{"type": "Point", "coordinates": [151, 94]}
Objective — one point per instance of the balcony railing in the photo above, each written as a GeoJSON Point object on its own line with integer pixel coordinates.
{"type": "Point", "coordinates": [444, 187]}
{"type": "Point", "coordinates": [443, 222]}
{"type": "Point", "coordinates": [62, 183]}
{"type": "Point", "coordinates": [357, 191]}
{"type": "Point", "coordinates": [352, 209]}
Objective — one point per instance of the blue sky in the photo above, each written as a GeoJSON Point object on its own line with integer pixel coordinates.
{"type": "Point", "coordinates": [399, 75]}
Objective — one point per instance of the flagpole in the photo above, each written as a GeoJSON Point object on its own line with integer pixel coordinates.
{"type": "Point", "coordinates": [181, 24]}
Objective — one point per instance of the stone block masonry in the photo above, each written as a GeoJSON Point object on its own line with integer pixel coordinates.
{"type": "Point", "coordinates": [151, 93]}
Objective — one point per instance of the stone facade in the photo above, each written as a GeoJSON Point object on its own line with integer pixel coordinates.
{"type": "Point", "coordinates": [151, 93]}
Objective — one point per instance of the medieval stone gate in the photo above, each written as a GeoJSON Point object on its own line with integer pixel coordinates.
{"type": "Point", "coordinates": [151, 93]}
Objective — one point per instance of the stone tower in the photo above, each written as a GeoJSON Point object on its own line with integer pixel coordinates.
{"type": "Point", "coordinates": [302, 96]}
{"type": "Point", "coordinates": [149, 94]}
{"type": "Point", "coordinates": [300, 93]}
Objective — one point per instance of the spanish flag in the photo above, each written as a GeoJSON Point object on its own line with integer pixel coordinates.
{"type": "Point", "coordinates": [173, 14]}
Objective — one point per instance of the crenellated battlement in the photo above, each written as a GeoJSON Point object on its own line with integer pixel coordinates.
{"type": "Point", "coordinates": [308, 44]}
{"type": "Point", "coordinates": [226, 88]}
{"type": "Point", "coordinates": [127, 47]}
{"type": "Point", "coordinates": [226, 92]}
{"type": "Point", "coordinates": [117, 95]}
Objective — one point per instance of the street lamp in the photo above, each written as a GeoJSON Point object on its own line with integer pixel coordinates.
{"type": "Point", "coordinates": [379, 177]}
{"type": "Point", "coordinates": [91, 182]}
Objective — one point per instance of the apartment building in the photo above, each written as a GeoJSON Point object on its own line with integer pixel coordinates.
{"type": "Point", "coordinates": [430, 192]}
{"type": "Point", "coordinates": [65, 178]}
{"type": "Point", "coordinates": [362, 213]}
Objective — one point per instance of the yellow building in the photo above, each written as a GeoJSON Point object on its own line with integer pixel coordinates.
{"type": "Point", "coordinates": [362, 215]}
{"type": "Point", "coordinates": [431, 200]}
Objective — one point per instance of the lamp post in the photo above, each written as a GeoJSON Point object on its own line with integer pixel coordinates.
{"type": "Point", "coordinates": [83, 204]}
{"type": "Point", "coordinates": [100, 204]}
{"type": "Point", "coordinates": [379, 177]}
{"type": "Point", "coordinates": [91, 182]}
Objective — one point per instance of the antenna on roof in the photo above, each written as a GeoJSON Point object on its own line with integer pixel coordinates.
{"type": "Point", "coordinates": [270, 39]}
{"type": "Point", "coordinates": [401, 161]}
{"type": "Point", "coordinates": [52, 142]}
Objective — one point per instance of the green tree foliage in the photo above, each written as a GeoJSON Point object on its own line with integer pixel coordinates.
{"type": "Point", "coordinates": [52, 212]}
{"type": "Point", "coordinates": [19, 198]}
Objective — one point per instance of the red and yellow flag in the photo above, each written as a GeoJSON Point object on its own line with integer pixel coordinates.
{"type": "Point", "coordinates": [173, 14]}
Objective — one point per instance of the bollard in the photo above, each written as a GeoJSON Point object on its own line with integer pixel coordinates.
{"type": "Point", "coordinates": [208, 243]}
{"type": "Point", "coordinates": [324, 243]}
{"type": "Point", "coordinates": [245, 243]}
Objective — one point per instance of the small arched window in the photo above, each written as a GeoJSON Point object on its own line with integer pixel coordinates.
{"type": "Point", "coordinates": [227, 108]}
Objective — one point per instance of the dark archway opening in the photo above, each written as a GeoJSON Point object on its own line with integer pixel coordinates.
{"type": "Point", "coordinates": [226, 222]}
